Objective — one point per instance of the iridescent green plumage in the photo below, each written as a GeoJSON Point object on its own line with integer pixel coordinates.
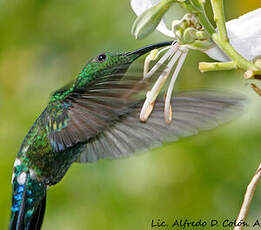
{"type": "Point", "coordinates": [96, 117]}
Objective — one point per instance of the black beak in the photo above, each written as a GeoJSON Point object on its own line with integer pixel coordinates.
{"type": "Point", "coordinates": [146, 49]}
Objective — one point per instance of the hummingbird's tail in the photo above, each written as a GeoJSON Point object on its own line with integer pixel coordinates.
{"type": "Point", "coordinates": [28, 203]}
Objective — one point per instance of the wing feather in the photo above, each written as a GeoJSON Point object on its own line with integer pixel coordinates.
{"type": "Point", "coordinates": [86, 112]}
{"type": "Point", "coordinates": [192, 112]}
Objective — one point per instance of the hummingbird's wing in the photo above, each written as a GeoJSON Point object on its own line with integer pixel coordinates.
{"type": "Point", "coordinates": [84, 113]}
{"type": "Point", "coordinates": [192, 112]}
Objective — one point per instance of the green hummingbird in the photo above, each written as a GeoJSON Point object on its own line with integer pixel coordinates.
{"type": "Point", "coordinates": [96, 117]}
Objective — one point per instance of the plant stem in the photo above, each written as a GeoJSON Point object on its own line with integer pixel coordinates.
{"type": "Point", "coordinates": [256, 88]}
{"type": "Point", "coordinates": [219, 18]}
{"type": "Point", "coordinates": [213, 66]}
{"type": "Point", "coordinates": [221, 39]}
{"type": "Point", "coordinates": [251, 188]}
{"type": "Point", "coordinates": [205, 22]}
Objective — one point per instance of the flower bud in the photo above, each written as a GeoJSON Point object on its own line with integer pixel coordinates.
{"type": "Point", "coordinates": [147, 22]}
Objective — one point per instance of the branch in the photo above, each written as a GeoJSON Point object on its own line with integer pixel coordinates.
{"type": "Point", "coordinates": [251, 188]}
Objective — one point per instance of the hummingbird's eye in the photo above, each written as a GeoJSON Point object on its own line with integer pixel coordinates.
{"type": "Point", "coordinates": [101, 58]}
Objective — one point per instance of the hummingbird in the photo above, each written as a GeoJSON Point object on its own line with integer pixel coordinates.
{"type": "Point", "coordinates": [97, 116]}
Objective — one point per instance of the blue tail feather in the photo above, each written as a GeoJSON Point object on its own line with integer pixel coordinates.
{"type": "Point", "coordinates": [28, 204]}
{"type": "Point", "coordinates": [37, 218]}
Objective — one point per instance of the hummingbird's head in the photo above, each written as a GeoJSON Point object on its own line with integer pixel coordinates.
{"type": "Point", "coordinates": [112, 63]}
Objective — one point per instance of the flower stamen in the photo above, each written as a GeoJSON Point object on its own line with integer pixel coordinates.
{"type": "Point", "coordinates": [174, 53]}
{"type": "Point", "coordinates": [168, 108]}
{"type": "Point", "coordinates": [165, 57]}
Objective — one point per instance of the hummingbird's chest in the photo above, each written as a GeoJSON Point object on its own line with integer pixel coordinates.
{"type": "Point", "coordinates": [37, 154]}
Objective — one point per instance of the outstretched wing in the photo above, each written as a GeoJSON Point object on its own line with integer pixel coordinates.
{"type": "Point", "coordinates": [81, 114]}
{"type": "Point", "coordinates": [192, 112]}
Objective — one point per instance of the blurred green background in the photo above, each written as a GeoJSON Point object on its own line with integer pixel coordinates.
{"type": "Point", "coordinates": [43, 45]}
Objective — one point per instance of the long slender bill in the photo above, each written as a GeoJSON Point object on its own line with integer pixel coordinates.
{"type": "Point", "coordinates": [164, 58]}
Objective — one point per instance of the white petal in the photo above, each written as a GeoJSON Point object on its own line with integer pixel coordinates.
{"type": "Point", "coordinates": [139, 6]}
{"type": "Point", "coordinates": [245, 36]}
{"type": "Point", "coordinates": [163, 29]}
{"type": "Point", "coordinates": [174, 12]}
{"type": "Point", "coordinates": [217, 54]}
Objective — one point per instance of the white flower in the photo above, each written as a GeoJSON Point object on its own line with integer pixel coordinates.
{"type": "Point", "coordinates": [139, 6]}
{"type": "Point", "coordinates": [244, 33]}
{"type": "Point", "coordinates": [174, 54]}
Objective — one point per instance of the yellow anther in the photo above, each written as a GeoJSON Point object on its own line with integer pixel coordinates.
{"type": "Point", "coordinates": [151, 57]}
